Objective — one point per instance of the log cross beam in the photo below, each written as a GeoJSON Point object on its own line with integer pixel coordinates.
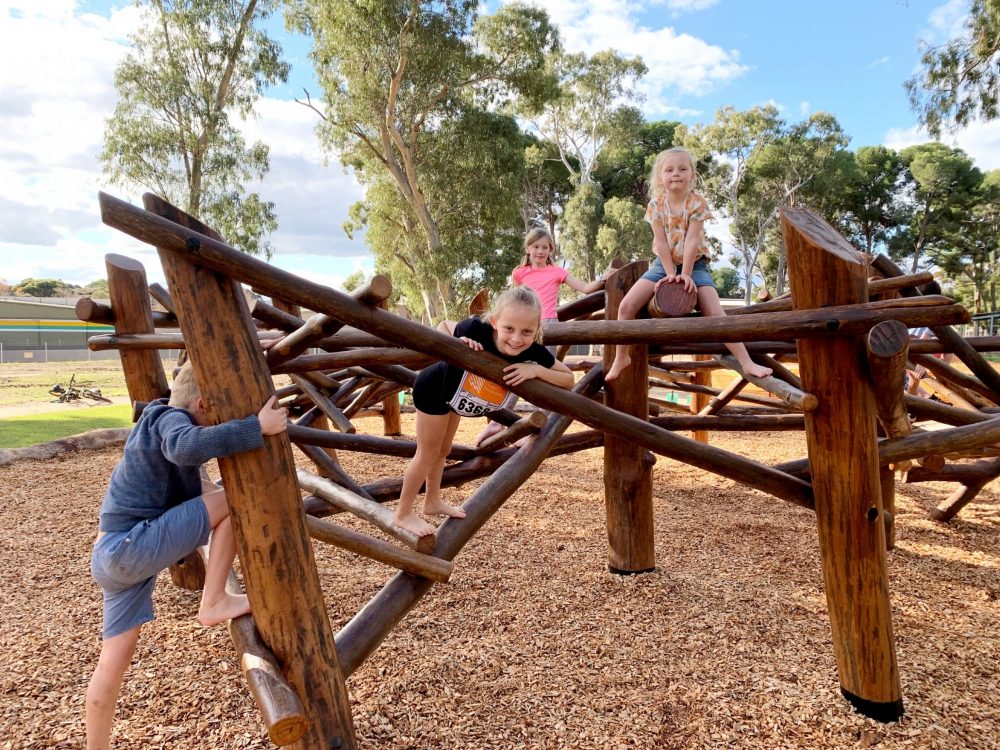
{"type": "Point", "coordinates": [216, 255]}
{"type": "Point", "coordinates": [824, 270]}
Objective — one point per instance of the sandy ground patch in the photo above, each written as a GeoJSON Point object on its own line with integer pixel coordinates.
{"type": "Point", "coordinates": [534, 644]}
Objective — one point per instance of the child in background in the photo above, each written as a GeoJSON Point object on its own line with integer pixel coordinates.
{"type": "Point", "coordinates": [539, 273]}
{"type": "Point", "coordinates": [443, 393]}
{"type": "Point", "coordinates": [677, 215]}
{"type": "Point", "coordinates": [156, 512]}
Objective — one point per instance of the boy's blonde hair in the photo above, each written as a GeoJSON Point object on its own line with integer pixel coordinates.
{"type": "Point", "coordinates": [519, 295]}
{"type": "Point", "coordinates": [655, 187]}
{"type": "Point", "coordinates": [184, 390]}
{"type": "Point", "coordinates": [534, 234]}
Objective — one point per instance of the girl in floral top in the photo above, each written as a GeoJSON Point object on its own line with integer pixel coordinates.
{"type": "Point", "coordinates": [677, 215]}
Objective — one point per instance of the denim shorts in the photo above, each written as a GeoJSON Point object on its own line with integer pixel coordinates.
{"type": "Point", "coordinates": [699, 273]}
{"type": "Point", "coordinates": [125, 563]}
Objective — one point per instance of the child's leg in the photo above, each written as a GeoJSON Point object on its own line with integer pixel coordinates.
{"type": "Point", "coordinates": [217, 604]}
{"type": "Point", "coordinates": [106, 684]}
{"type": "Point", "coordinates": [433, 504]}
{"type": "Point", "coordinates": [708, 303]}
{"type": "Point", "coordinates": [431, 429]}
{"type": "Point", "coordinates": [637, 298]}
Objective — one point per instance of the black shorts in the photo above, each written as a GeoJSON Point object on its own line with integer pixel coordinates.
{"type": "Point", "coordinates": [428, 390]}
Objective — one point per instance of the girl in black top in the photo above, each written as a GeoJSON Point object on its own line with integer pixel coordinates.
{"type": "Point", "coordinates": [443, 393]}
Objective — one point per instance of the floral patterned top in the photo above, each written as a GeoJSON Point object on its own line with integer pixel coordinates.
{"type": "Point", "coordinates": [675, 226]}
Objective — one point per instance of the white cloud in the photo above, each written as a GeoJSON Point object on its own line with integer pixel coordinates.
{"type": "Point", "coordinates": [804, 108]}
{"type": "Point", "coordinates": [981, 141]}
{"type": "Point", "coordinates": [680, 65]}
{"type": "Point", "coordinates": [946, 21]}
{"type": "Point", "coordinates": [53, 105]}
{"type": "Point", "coordinates": [686, 6]}
{"type": "Point", "coordinates": [880, 61]}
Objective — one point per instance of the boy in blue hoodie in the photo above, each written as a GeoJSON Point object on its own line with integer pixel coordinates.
{"type": "Point", "coordinates": [156, 511]}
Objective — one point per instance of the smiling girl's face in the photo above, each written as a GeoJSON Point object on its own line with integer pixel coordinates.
{"type": "Point", "coordinates": [539, 252]}
{"type": "Point", "coordinates": [515, 328]}
{"type": "Point", "coordinates": [676, 174]}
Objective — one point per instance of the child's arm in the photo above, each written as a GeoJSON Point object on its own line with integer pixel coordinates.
{"type": "Point", "coordinates": [272, 420]}
{"type": "Point", "coordinates": [187, 444]}
{"type": "Point", "coordinates": [692, 243]}
{"type": "Point", "coordinates": [583, 286]}
{"type": "Point", "coordinates": [661, 247]}
{"type": "Point", "coordinates": [559, 374]}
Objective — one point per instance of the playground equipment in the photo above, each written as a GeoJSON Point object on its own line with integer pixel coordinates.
{"type": "Point", "coordinates": [851, 354]}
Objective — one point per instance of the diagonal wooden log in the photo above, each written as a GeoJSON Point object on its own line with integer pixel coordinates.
{"type": "Point", "coordinates": [279, 706]}
{"type": "Point", "coordinates": [727, 394]}
{"type": "Point", "coordinates": [416, 563]}
{"type": "Point", "coordinates": [369, 443]}
{"type": "Point", "coordinates": [216, 255]}
{"type": "Point", "coordinates": [955, 378]}
{"type": "Point", "coordinates": [369, 627]}
{"type": "Point", "coordinates": [794, 397]}
{"type": "Point", "coordinates": [331, 468]}
{"type": "Point", "coordinates": [948, 336]}
{"type": "Point", "coordinates": [825, 271]}
{"type": "Point", "coordinates": [265, 506]}
{"type": "Point", "coordinates": [365, 357]}
{"type": "Point", "coordinates": [521, 428]}
{"type": "Point", "coordinates": [324, 404]}
{"type": "Point", "coordinates": [376, 514]}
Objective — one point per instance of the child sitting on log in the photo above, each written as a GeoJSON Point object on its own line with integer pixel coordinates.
{"type": "Point", "coordinates": [155, 512]}
{"type": "Point", "coordinates": [677, 215]}
{"type": "Point", "coordinates": [443, 393]}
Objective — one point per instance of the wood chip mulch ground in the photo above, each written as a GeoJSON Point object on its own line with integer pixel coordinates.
{"type": "Point", "coordinates": [534, 644]}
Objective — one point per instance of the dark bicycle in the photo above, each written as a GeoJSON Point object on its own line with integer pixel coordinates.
{"type": "Point", "coordinates": [72, 393]}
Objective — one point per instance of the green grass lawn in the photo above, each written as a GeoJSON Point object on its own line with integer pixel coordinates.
{"type": "Point", "coordinates": [27, 383]}
{"type": "Point", "coordinates": [17, 432]}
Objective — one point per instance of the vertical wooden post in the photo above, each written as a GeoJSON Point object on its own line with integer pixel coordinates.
{"type": "Point", "coordinates": [391, 423]}
{"type": "Point", "coordinates": [887, 483]}
{"type": "Point", "coordinates": [263, 495]}
{"type": "Point", "coordinates": [825, 270]}
{"type": "Point", "coordinates": [628, 479]}
{"type": "Point", "coordinates": [700, 401]}
{"type": "Point", "coordinates": [144, 376]}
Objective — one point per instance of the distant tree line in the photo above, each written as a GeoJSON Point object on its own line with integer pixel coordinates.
{"type": "Point", "coordinates": [465, 128]}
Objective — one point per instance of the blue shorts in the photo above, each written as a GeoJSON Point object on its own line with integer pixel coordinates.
{"type": "Point", "coordinates": [699, 273]}
{"type": "Point", "coordinates": [125, 563]}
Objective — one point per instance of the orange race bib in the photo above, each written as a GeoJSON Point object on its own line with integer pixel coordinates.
{"type": "Point", "coordinates": [476, 396]}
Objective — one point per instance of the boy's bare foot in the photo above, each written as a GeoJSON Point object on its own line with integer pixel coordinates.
{"type": "Point", "coordinates": [442, 508]}
{"type": "Point", "coordinates": [758, 371]}
{"type": "Point", "coordinates": [225, 608]}
{"type": "Point", "coordinates": [622, 361]}
{"type": "Point", "coordinates": [491, 429]}
{"type": "Point", "coordinates": [412, 523]}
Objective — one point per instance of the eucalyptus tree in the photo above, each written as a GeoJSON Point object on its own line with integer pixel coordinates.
{"type": "Point", "coordinates": [592, 109]}
{"type": "Point", "coordinates": [968, 251]}
{"type": "Point", "coordinates": [938, 193]}
{"type": "Point", "coordinates": [193, 65]}
{"type": "Point", "coordinates": [395, 74]}
{"type": "Point", "coordinates": [624, 167]}
{"type": "Point", "coordinates": [960, 80]}
{"type": "Point", "coordinates": [473, 175]}
{"type": "Point", "coordinates": [868, 202]}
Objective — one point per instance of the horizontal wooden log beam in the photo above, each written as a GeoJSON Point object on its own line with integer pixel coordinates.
{"type": "Point", "coordinates": [794, 397]}
{"type": "Point", "coordinates": [371, 511]}
{"type": "Point", "coordinates": [779, 326]}
{"type": "Point", "coordinates": [91, 311]}
{"type": "Point", "coordinates": [367, 443]}
{"type": "Point", "coordinates": [356, 357]}
{"type": "Point", "coordinates": [416, 563]}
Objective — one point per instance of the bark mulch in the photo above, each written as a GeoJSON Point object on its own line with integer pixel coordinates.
{"type": "Point", "coordinates": [533, 643]}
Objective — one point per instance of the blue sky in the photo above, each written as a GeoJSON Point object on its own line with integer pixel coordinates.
{"type": "Point", "coordinates": [849, 58]}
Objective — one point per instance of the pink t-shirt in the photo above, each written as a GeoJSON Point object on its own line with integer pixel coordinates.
{"type": "Point", "coordinates": [546, 282]}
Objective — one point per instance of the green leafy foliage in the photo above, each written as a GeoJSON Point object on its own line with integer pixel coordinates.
{"type": "Point", "coordinates": [411, 94]}
{"type": "Point", "coordinates": [960, 80]}
{"type": "Point", "coordinates": [193, 65]}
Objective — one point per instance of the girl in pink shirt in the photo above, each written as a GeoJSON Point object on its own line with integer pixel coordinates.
{"type": "Point", "coordinates": [539, 273]}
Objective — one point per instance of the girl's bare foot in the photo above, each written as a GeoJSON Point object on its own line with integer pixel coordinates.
{"type": "Point", "coordinates": [491, 429]}
{"type": "Point", "coordinates": [442, 508]}
{"type": "Point", "coordinates": [224, 608]}
{"type": "Point", "coordinates": [622, 361]}
{"type": "Point", "coordinates": [758, 371]}
{"type": "Point", "coordinates": [412, 523]}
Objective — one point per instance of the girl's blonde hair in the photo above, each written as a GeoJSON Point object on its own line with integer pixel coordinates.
{"type": "Point", "coordinates": [518, 295]}
{"type": "Point", "coordinates": [534, 234]}
{"type": "Point", "coordinates": [184, 390]}
{"type": "Point", "coordinates": [655, 186]}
